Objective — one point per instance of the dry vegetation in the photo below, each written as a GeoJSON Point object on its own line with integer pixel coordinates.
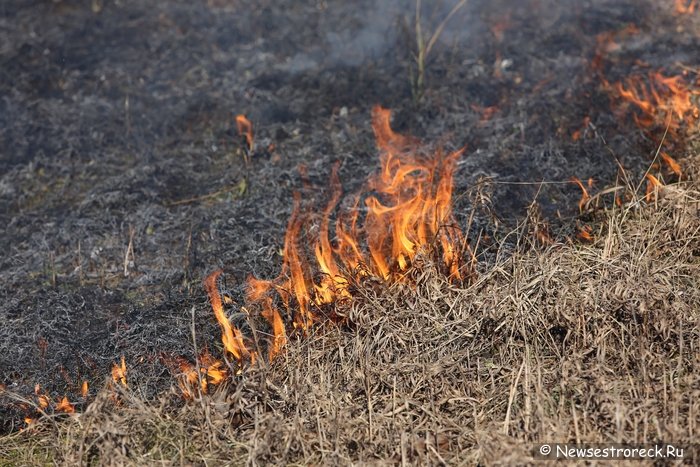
{"type": "Point", "coordinates": [594, 343]}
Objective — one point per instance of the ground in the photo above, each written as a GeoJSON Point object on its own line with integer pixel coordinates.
{"type": "Point", "coordinates": [124, 181]}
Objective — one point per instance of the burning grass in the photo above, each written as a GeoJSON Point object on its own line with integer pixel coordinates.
{"type": "Point", "coordinates": [586, 343]}
{"type": "Point", "coordinates": [408, 214]}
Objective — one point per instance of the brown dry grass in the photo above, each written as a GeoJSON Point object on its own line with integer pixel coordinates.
{"type": "Point", "coordinates": [577, 343]}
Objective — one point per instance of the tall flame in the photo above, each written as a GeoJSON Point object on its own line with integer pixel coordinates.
{"type": "Point", "coordinates": [408, 213]}
{"type": "Point", "coordinates": [230, 335]}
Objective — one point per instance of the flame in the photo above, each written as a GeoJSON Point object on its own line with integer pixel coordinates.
{"type": "Point", "coordinates": [245, 129]}
{"type": "Point", "coordinates": [665, 108]}
{"type": "Point", "coordinates": [585, 234]}
{"type": "Point", "coordinates": [542, 235]}
{"type": "Point", "coordinates": [607, 42]}
{"type": "Point", "coordinates": [211, 371]}
{"type": "Point", "coordinates": [659, 102]}
{"type": "Point", "coordinates": [486, 113]}
{"type": "Point", "coordinates": [408, 212]}
{"type": "Point", "coordinates": [685, 7]}
{"type": "Point", "coordinates": [44, 401]}
{"type": "Point", "coordinates": [585, 197]}
{"type": "Point", "coordinates": [84, 389]}
{"type": "Point", "coordinates": [653, 187]}
{"type": "Point", "coordinates": [65, 406]}
{"type": "Point", "coordinates": [119, 373]}
{"type": "Point", "coordinates": [417, 210]}
{"type": "Point", "coordinates": [671, 163]}
{"type": "Point", "coordinates": [230, 335]}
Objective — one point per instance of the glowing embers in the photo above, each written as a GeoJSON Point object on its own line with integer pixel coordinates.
{"type": "Point", "coordinates": [65, 406]}
{"type": "Point", "coordinates": [407, 212]}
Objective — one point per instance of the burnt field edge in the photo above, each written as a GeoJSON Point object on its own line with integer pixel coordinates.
{"type": "Point", "coordinates": [573, 341]}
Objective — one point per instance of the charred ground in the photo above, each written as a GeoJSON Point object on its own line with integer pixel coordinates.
{"type": "Point", "coordinates": [117, 123]}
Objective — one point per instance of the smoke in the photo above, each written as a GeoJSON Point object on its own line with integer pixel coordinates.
{"type": "Point", "coordinates": [374, 30]}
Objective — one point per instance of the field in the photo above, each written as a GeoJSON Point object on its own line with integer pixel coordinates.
{"type": "Point", "coordinates": [525, 267]}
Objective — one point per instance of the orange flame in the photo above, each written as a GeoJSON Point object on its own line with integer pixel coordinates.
{"type": "Point", "coordinates": [230, 335]}
{"type": "Point", "coordinates": [65, 406]}
{"type": "Point", "coordinates": [576, 135]}
{"type": "Point", "coordinates": [211, 371]}
{"type": "Point", "coordinates": [84, 389]}
{"type": "Point", "coordinates": [245, 129]}
{"type": "Point", "coordinates": [685, 7]}
{"type": "Point", "coordinates": [671, 163]}
{"type": "Point", "coordinates": [585, 234]}
{"type": "Point", "coordinates": [44, 401]}
{"type": "Point", "coordinates": [119, 373]}
{"type": "Point", "coordinates": [409, 213]}
{"type": "Point", "coordinates": [653, 187]}
{"type": "Point", "coordinates": [585, 197]}
{"type": "Point", "coordinates": [659, 101]}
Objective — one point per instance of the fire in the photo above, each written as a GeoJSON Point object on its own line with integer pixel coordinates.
{"type": "Point", "coordinates": [585, 233]}
{"type": "Point", "coordinates": [607, 42]}
{"type": "Point", "coordinates": [585, 197]}
{"type": "Point", "coordinates": [408, 212]}
{"type": "Point", "coordinates": [576, 135]}
{"type": "Point", "coordinates": [230, 335]}
{"type": "Point", "coordinates": [685, 7]}
{"type": "Point", "coordinates": [119, 373]}
{"type": "Point", "coordinates": [211, 371]}
{"type": "Point", "coordinates": [653, 187]}
{"type": "Point", "coordinates": [65, 406]}
{"type": "Point", "coordinates": [671, 163]}
{"type": "Point", "coordinates": [245, 129]}
{"type": "Point", "coordinates": [664, 107]}
{"type": "Point", "coordinates": [44, 401]}
{"type": "Point", "coordinates": [659, 102]}
{"type": "Point", "coordinates": [84, 389]}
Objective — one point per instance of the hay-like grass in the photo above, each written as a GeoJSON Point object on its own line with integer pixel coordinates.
{"type": "Point", "coordinates": [576, 343]}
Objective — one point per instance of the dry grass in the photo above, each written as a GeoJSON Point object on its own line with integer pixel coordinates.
{"type": "Point", "coordinates": [578, 343]}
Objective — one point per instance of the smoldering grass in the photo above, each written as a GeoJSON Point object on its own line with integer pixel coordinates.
{"type": "Point", "coordinates": [567, 343]}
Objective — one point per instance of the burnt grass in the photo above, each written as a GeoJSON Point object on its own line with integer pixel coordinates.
{"type": "Point", "coordinates": [123, 183]}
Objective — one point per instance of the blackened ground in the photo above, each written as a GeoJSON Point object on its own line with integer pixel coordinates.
{"type": "Point", "coordinates": [116, 123]}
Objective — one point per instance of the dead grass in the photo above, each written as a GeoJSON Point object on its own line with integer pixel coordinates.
{"type": "Point", "coordinates": [577, 343]}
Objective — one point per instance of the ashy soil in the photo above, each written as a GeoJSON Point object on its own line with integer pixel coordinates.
{"type": "Point", "coordinates": [124, 182]}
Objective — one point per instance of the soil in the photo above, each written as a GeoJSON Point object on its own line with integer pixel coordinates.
{"type": "Point", "coordinates": [124, 181]}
